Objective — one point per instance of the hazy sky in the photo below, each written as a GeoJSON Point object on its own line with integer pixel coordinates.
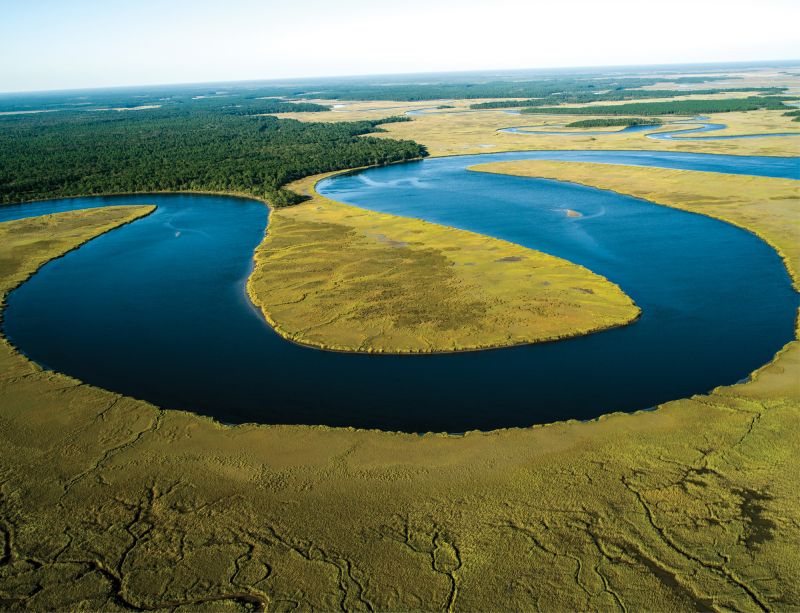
{"type": "Point", "coordinates": [54, 44]}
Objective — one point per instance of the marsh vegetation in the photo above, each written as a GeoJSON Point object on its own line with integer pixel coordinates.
{"type": "Point", "coordinates": [675, 107]}
{"type": "Point", "coordinates": [108, 503]}
{"type": "Point", "coordinates": [337, 277]}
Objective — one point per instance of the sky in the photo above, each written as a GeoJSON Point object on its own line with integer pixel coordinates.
{"type": "Point", "coordinates": [65, 44]}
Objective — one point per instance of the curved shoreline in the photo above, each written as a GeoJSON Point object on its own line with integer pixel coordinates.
{"type": "Point", "coordinates": [768, 244]}
{"type": "Point", "coordinates": [250, 305]}
{"type": "Point", "coordinates": [163, 473]}
{"type": "Point", "coordinates": [790, 269]}
{"type": "Point", "coordinates": [752, 378]}
{"type": "Point", "coordinates": [148, 210]}
{"type": "Point", "coordinates": [280, 331]}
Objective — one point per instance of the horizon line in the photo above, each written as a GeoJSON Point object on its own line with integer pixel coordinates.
{"type": "Point", "coordinates": [487, 72]}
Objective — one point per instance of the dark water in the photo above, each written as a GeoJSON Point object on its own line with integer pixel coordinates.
{"type": "Point", "coordinates": [157, 309]}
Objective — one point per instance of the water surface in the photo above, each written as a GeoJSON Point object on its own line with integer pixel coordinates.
{"type": "Point", "coordinates": [157, 309]}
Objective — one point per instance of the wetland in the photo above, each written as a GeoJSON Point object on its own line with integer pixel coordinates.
{"type": "Point", "coordinates": [110, 502]}
{"type": "Point", "coordinates": [190, 339]}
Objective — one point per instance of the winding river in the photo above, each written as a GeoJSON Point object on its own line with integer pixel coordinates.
{"type": "Point", "coordinates": [157, 309]}
{"type": "Point", "coordinates": [680, 133]}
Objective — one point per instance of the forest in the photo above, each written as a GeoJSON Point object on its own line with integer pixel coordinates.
{"type": "Point", "coordinates": [56, 155]}
{"type": "Point", "coordinates": [609, 122]}
{"type": "Point", "coordinates": [270, 96]}
{"type": "Point", "coordinates": [223, 138]}
{"type": "Point", "coordinates": [178, 101]}
{"type": "Point", "coordinates": [270, 105]}
{"type": "Point", "coordinates": [411, 92]}
{"type": "Point", "coordinates": [673, 107]}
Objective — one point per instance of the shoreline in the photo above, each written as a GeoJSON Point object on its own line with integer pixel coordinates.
{"type": "Point", "coordinates": [750, 378]}
{"type": "Point", "coordinates": [793, 275]}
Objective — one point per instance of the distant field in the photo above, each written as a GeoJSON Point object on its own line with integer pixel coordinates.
{"type": "Point", "coordinates": [677, 107]}
{"type": "Point", "coordinates": [463, 132]}
{"type": "Point", "coordinates": [619, 95]}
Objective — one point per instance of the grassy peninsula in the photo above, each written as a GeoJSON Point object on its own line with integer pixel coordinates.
{"type": "Point", "coordinates": [334, 276]}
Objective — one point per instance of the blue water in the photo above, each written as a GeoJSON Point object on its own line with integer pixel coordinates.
{"type": "Point", "coordinates": [530, 130]}
{"type": "Point", "coordinates": [678, 134]}
{"type": "Point", "coordinates": [428, 110]}
{"type": "Point", "coordinates": [157, 309]}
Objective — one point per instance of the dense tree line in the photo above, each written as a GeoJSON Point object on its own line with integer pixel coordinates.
{"type": "Point", "coordinates": [615, 96]}
{"type": "Point", "coordinates": [256, 107]}
{"type": "Point", "coordinates": [67, 154]}
{"type": "Point", "coordinates": [795, 114]}
{"type": "Point", "coordinates": [256, 97]}
{"type": "Point", "coordinates": [606, 123]}
{"type": "Point", "coordinates": [675, 107]}
{"type": "Point", "coordinates": [410, 92]}
{"type": "Point", "coordinates": [408, 89]}
{"type": "Point", "coordinates": [176, 100]}
{"type": "Point", "coordinates": [395, 119]}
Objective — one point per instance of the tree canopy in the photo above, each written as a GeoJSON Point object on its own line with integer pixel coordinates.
{"type": "Point", "coordinates": [73, 153]}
